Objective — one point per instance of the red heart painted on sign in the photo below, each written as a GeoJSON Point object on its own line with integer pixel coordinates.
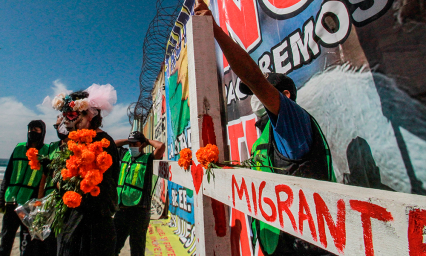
{"type": "Point", "coordinates": [197, 172]}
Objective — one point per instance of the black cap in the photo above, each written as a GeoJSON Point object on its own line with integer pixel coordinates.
{"type": "Point", "coordinates": [136, 136]}
{"type": "Point", "coordinates": [279, 81]}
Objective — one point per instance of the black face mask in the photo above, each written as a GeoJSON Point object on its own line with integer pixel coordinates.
{"type": "Point", "coordinates": [34, 136]}
{"type": "Point", "coordinates": [61, 136]}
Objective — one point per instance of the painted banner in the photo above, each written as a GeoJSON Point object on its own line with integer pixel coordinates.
{"type": "Point", "coordinates": [163, 239]}
{"type": "Point", "coordinates": [178, 127]}
{"type": "Point", "coordinates": [159, 109]}
{"type": "Point", "coordinates": [158, 199]}
{"type": "Point", "coordinates": [177, 89]}
{"type": "Point", "coordinates": [181, 211]}
{"type": "Point", "coordinates": [358, 69]}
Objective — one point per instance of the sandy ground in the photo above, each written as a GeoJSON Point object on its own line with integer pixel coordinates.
{"type": "Point", "coordinates": [15, 250]}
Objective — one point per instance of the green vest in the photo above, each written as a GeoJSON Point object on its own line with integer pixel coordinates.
{"type": "Point", "coordinates": [131, 179]}
{"type": "Point", "coordinates": [316, 164]}
{"type": "Point", "coordinates": [24, 181]}
{"type": "Point", "coordinates": [53, 150]}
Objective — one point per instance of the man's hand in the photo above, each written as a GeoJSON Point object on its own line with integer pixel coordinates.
{"type": "Point", "coordinates": [201, 9]}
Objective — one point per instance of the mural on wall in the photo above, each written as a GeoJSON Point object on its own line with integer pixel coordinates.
{"type": "Point", "coordinates": [175, 110]}
{"type": "Point", "coordinates": [177, 91]}
{"type": "Point", "coordinates": [340, 55]}
{"type": "Point", "coordinates": [158, 203]}
{"type": "Point", "coordinates": [181, 202]}
{"type": "Point", "coordinates": [159, 109]}
{"type": "Point", "coordinates": [357, 66]}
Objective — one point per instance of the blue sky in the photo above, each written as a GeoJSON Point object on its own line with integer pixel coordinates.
{"type": "Point", "coordinates": [51, 46]}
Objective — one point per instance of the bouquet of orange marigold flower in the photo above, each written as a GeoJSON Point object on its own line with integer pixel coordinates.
{"type": "Point", "coordinates": [208, 157]}
{"type": "Point", "coordinates": [78, 169]}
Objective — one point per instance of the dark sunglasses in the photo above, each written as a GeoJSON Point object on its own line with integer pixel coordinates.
{"type": "Point", "coordinates": [55, 126]}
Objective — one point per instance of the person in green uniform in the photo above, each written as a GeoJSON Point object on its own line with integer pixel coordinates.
{"type": "Point", "coordinates": [19, 185]}
{"type": "Point", "coordinates": [134, 192]}
{"type": "Point", "coordinates": [46, 184]}
{"type": "Point", "coordinates": [291, 143]}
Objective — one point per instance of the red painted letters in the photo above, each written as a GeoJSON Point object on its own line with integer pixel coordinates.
{"type": "Point", "coordinates": [285, 205]}
{"type": "Point", "coordinates": [416, 225]}
{"type": "Point", "coordinates": [253, 193]}
{"type": "Point", "coordinates": [240, 191]}
{"type": "Point", "coordinates": [337, 231]}
{"type": "Point", "coordinates": [241, 129]}
{"type": "Point", "coordinates": [368, 211]}
{"type": "Point", "coordinates": [305, 214]}
{"type": "Point", "coordinates": [269, 202]}
{"type": "Point", "coordinates": [231, 15]}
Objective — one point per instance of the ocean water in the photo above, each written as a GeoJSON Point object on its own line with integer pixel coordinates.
{"type": "Point", "coordinates": [2, 169]}
{"type": "Point", "coordinates": [3, 164]}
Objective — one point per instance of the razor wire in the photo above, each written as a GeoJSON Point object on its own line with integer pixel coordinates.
{"type": "Point", "coordinates": [154, 48]}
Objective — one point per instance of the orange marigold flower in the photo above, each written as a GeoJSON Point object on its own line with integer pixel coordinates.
{"type": "Point", "coordinates": [87, 157]}
{"type": "Point", "coordinates": [31, 153]}
{"type": "Point", "coordinates": [103, 161]}
{"type": "Point", "coordinates": [66, 174]}
{"type": "Point", "coordinates": [72, 145]}
{"type": "Point", "coordinates": [185, 159]}
{"type": "Point", "coordinates": [208, 154]}
{"type": "Point", "coordinates": [95, 191]}
{"type": "Point", "coordinates": [85, 186]}
{"type": "Point", "coordinates": [37, 203]}
{"type": "Point", "coordinates": [95, 147]}
{"type": "Point", "coordinates": [86, 136]}
{"type": "Point", "coordinates": [83, 135]}
{"type": "Point", "coordinates": [105, 143]}
{"type": "Point", "coordinates": [33, 160]}
{"type": "Point", "coordinates": [72, 199]}
{"type": "Point", "coordinates": [34, 165]}
{"type": "Point", "coordinates": [93, 177]}
{"type": "Point", "coordinates": [73, 163]}
{"type": "Point", "coordinates": [83, 170]}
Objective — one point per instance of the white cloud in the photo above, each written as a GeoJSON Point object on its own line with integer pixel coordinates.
{"type": "Point", "coordinates": [59, 87]}
{"type": "Point", "coordinates": [15, 117]}
{"type": "Point", "coordinates": [116, 124]}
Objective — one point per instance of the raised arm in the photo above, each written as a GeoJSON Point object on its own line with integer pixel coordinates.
{"type": "Point", "coordinates": [121, 142]}
{"type": "Point", "coordinates": [242, 64]}
{"type": "Point", "coordinates": [159, 148]}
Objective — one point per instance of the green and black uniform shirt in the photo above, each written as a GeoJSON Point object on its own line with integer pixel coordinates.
{"type": "Point", "coordinates": [135, 181]}
{"type": "Point", "coordinates": [20, 183]}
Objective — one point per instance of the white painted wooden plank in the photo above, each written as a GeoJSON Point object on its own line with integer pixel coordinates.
{"type": "Point", "coordinates": [388, 237]}
{"type": "Point", "coordinates": [204, 99]}
{"type": "Point", "coordinates": [170, 170]}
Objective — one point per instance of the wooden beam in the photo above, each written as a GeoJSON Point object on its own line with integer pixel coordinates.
{"type": "Point", "coordinates": [371, 220]}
